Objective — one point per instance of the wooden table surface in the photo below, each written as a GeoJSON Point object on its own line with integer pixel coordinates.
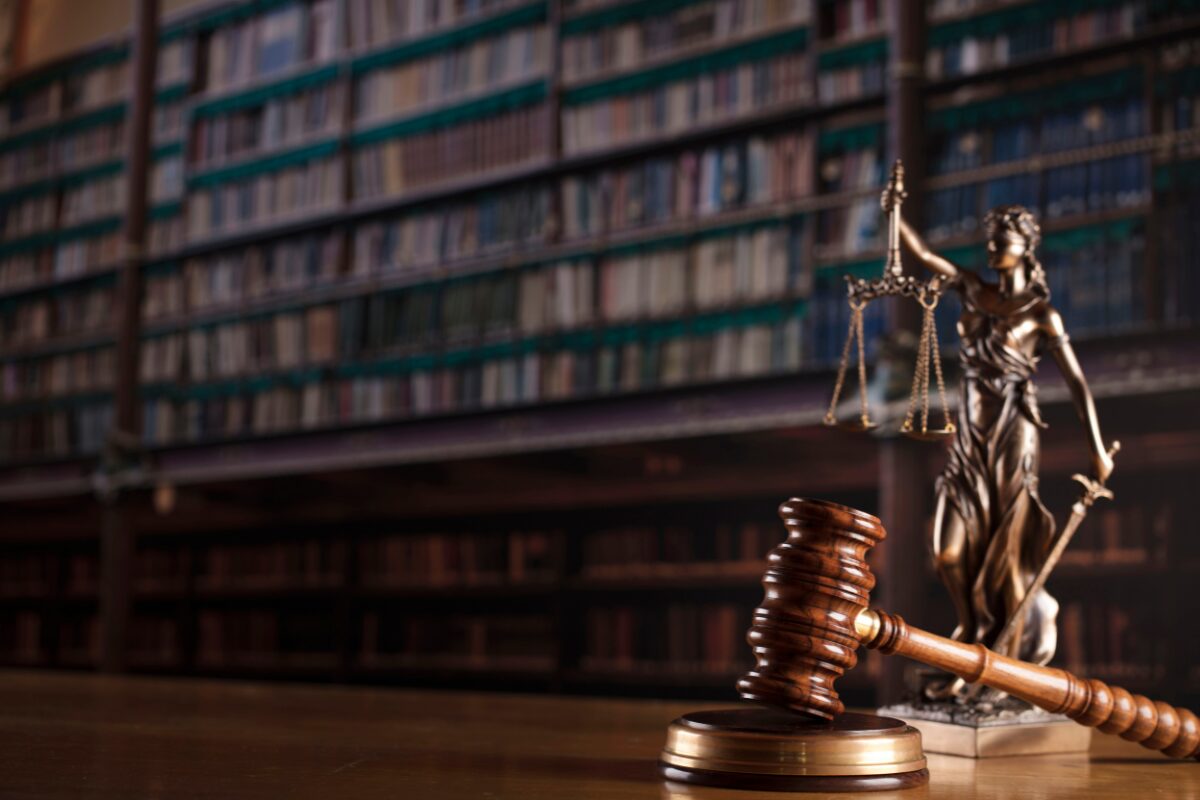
{"type": "Point", "coordinates": [87, 736]}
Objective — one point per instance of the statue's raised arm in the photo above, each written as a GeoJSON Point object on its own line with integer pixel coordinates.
{"type": "Point", "coordinates": [917, 246]}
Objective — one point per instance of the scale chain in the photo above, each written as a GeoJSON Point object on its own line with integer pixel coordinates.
{"type": "Point", "coordinates": [862, 368]}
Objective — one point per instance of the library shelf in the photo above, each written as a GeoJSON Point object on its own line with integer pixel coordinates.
{"type": "Point", "coordinates": [825, 45]}
{"type": "Point", "coordinates": [1161, 33]}
{"type": "Point", "coordinates": [673, 577]}
{"type": "Point", "coordinates": [54, 345]}
{"type": "Point", "coordinates": [280, 591]}
{"type": "Point", "coordinates": [79, 118]}
{"type": "Point", "coordinates": [463, 30]}
{"type": "Point", "coordinates": [977, 9]}
{"type": "Point", "coordinates": [1043, 161]}
{"type": "Point", "coordinates": [56, 179]}
{"type": "Point", "coordinates": [451, 591]}
{"type": "Point", "coordinates": [309, 665]}
{"type": "Point", "coordinates": [379, 124]}
{"type": "Point", "coordinates": [449, 667]}
{"type": "Point", "coordinates": [300, 222]}
{"type": "Point", "coordinates": [620, 418]}
{"type": "Point", "coordinates": [1117, 367]}
{"type": "Point", "coordinates": [264, 87]}
{"type": "Point", "coordinates": [1076, 569]}
{"type": "Point", "coordinates": [216, 170]}
{"type": "Point", "coordinates": [391, 277]}
{"type": "Point", "coordinates": [153, 664]}
{"type": "Point", "coordinates": [655, 674]}
{"type": "Point", "coordinates": [491, 179]}
{"type": "Point", "coordinates": [683, 54]}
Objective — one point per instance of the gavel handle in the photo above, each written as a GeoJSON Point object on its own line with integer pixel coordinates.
{"type": "Point", "coordinates": [1153, 724]}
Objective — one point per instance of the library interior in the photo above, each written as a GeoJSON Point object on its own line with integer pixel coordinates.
{"type": "Point", "coordinates": [552, 398]}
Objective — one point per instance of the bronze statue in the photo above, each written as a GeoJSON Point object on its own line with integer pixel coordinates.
{"type": "Point", "coordinates": [991, 533]}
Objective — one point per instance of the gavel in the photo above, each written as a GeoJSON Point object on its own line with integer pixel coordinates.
{"type": "Point", "coordinates": [814, 616]}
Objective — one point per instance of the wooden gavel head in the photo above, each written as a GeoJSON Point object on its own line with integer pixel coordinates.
{"type": "Point", "coordinates": [816, 584]}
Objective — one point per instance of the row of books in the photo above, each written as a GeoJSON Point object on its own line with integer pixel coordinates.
{"type": "Point", "coordinates": [850, 19]}
{"type": "Point", "coordinates": [1181, 283]}
{"type": "Point", "coordinates": [1096, 281]}
{"type": "Point", "coordinates": [89, 370]}
{"type": "Point", "coordinates": [79, 639]}
{"type": "Point", "coordinates": [96, 87]}
{"type": "Point", "coordinates": [457, 559]}
{"type": "Point", "coordinates": [374, 23]}
{"type": "Point", "coordinates": [842, 84]}
{"type": "Point", "coordinates": [35, 106]}
{"type": "Point", "coordinates": [283, 341]}
{"type": "Point", "coordinates": [992, 47]}
{"type": "Point", "coordinates": [81, 576]}
{"type": "Point", "coordinates": [740, 268]}
{"type": "Point", "coordinates": [262, 638]}
{"type": "Point", "coordinates": [243, 410]}
{"type": "Point", "coordinates": [458, 641]}
{"type": "Point", "coordinates": [93, 200]}
{"type": "Point", "coordinates": [850, 230]}
{"type": "Point", "coordinates": [29, 216]}
{"type": "Point", "coordinates": [94, 144]}
{"type": "Point", "coordinates": [81, 256]}
{"type": "Point", "coordinates": [165, 234]}
{"type": "Point", "coordinates": [162, 569]}
{"type": "Point", "coordinates": [471, 148]}
{"type": "Point", "coordinates": [1039, 132]}
{"type": "Point", "coordinates": [1139, 533]}
{"type": "Point", "coordinates": [154, 641]}
{"type": "Point", "coordinates": [493, 222]}
{"type": "Point", "coordinates": [740, 173]}
{"type": "Point", "coordinates": [1104, 185]}
{"type": "Point", "coordinates": [27, 574]}
{"type": "Point", "coordinates": [671, 549]}
{"type": "Point", "coordinates": [21, 637]}
{"type": "Point", "coordinates": [63, 314]}
{"type": "Point", "coordinates": [470, 69]}
{"type": "Point", "coordinates": [269, 197]}
{"type": "Point", "coordinates": [244, 275]}
{"type": "Point", "coordinates": [280, 121]}
{"type": "Point", "coordinates": [76, 91]}
{"type": "Point", "coordinates": [309, 562]}
{"type": "Point", "coordinates": [1096, 186]}
{"type": "Point", "coordinates": [1111, 640]}
{"type": "Point", "coordinates": [631, 44]}
{"type": "Point", "coordinates": [166, 179]}
{"type": "Point", "coordinates": [176, 62]}
{"type": "Point", "coordinates": [27, 164]}
{"type": "Point", "coordinates": [680, 106]}
{"type": "Point", "coordinates": [701, 637]}
{"type": "Point", "coordinates": [77, 148]}
{"type": "Point", "coordinates": [936, 10]}
{"type": "Point", "coordinates": [55, 432]}
{"type": "Point", "coordinates": [298, 33]}
{"type": "Point", "coordinates": [167, 121]}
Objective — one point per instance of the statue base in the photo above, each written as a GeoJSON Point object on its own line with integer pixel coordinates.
{"type": "Point", "coordinates": [766, 749]}
{"type": "Point", "coordinates": [1014, 730]}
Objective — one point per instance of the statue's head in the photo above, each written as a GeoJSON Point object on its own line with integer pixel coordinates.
{"type": "Point", "coordinates": [1012, 236]}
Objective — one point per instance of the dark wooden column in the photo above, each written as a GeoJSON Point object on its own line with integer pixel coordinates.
{"type": "Point", "coordinates": [122, 450]}
{"type": "Point", "coordinates": [905, 495]}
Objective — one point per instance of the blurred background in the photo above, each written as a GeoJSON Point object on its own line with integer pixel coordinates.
{"type": "Point", "coordinates": [479, 340]}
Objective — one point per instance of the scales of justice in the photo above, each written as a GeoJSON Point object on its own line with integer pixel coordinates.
{"type": "Point", "coordinates": [994, 545]}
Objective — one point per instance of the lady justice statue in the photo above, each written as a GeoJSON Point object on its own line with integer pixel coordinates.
{"type": "Point", "coordinates": [991, 534]}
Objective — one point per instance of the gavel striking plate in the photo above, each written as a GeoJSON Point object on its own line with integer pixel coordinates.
{"type": "Point", "coordinates": [813, 618]}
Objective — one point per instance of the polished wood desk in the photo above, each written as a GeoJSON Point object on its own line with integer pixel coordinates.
{"type": "Point", "coordinates": [85, 736]}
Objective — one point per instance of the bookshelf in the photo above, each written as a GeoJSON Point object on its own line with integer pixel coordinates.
{"type": "Point", "coordinates": [497, 241]}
